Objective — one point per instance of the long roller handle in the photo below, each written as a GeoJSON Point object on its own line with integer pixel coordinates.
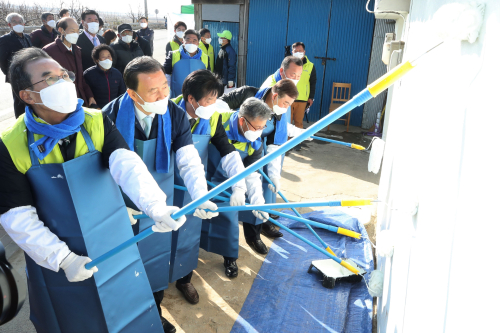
{"type": "Point", "coordinates": [350, 145]}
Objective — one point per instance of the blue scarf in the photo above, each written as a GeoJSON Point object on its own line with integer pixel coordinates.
{"type": "Point", "coordinates": [277, 76]}
{"type": "Point", "coordinates": [53, 133]}
{"type": "Point", "coordinates": [185, 55]}
{"type": "Point", "coordinates": [125, 122]}
{"type": "Point", "coordinates": [234, 134]}
{"type": "Point", "coordinates": [203, 124]}
{"type": "Point", "coordinates": [281, 133]}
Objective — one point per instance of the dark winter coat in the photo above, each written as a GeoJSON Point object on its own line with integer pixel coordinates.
{"type": "Point", "coordinates": [125, 53]}
{"type": "Point", "coordinates": [106, 85]}
{"type": "Point", "coordinates": [42, 37]}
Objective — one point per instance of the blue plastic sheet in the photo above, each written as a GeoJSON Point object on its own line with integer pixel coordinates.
{"type": "Point", "coordinates": [285, 298]}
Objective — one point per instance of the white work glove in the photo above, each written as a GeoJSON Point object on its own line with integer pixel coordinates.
{"type": "Point", "coordinates": [276, 182]}
{"type": "Point", "coordinates": [163, 220]}
{"type": "Point", "coordinates": [258, 214]}
{"type": "Point", "coordinates": [204, 215]}
{"type": "Point", "coordinates": [132, 212]}
{"type": "Point", "coordinates": [294, 131]}
{"type": "Point", "coordinates": [274, 167]}
{"type": "Point", "coordinates": [74, 268]}
{"type": "Point", "coordinates": [238, 197]}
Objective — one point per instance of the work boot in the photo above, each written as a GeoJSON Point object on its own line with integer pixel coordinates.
{"type": "Point", "coordinates": [189, 292]}
{"type": "Point", "coordinates": [270, 231]}
{"type": "Point", "coordinates": [258, 246]}
{"type": "Point", "coordinates": [231, 268]}
{"type": "Point", "coordinates": [273, 216]}
{"type": "Point", "coordinates": [167, 327]}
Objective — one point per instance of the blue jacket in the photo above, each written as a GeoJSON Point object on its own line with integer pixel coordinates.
{"type": "Point", "coordinates": [225, 64]}
{"type": "Point", "coordinates": [106, 86]}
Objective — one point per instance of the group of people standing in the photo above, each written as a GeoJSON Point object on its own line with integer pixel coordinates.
{"type": "Point", "coordinates": [72, 178]}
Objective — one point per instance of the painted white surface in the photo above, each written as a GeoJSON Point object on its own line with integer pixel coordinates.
{"type": "Point", "coordinates": [441, 138]}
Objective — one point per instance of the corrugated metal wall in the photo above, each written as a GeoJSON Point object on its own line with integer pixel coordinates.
{"type": "Point", "coordinates": [350, 41]}
{"type": "Point", "coordinates": [304, 22]}
{"type": "Point", "coordinates": [216, 27]}
{"type": "Point", "coordinates": [377, 69]}
{"type": "Point", "coordinates": [267, 26]}
{"type": "Point", "coordinates": [275, 24]}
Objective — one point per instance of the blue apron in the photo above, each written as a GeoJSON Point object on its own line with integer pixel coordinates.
{"type": "Point", "coordinates": [79, 202]}
{"type": "Point", "coordinates": [186, 240]}
{"type": "Point", "coordinates": [155, 250]}
{"type": "Point", "coordinates": [181, 70]}
{"type": "Point", "coordinates": [220, 235]}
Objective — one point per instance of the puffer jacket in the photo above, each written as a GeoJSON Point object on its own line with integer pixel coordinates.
{"type": "Point", "coordinates": [125, 54]}
{"type": "Point", "coordinates": [236, 97]}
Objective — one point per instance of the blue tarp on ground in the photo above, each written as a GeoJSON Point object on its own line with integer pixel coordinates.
{"type": "Point", "coordinates": [285, 298]}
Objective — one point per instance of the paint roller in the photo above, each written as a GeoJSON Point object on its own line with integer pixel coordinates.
{"type": "Point", "coordinates": [373, 90]}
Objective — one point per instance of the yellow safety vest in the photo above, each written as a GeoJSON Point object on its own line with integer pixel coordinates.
{"type": "Point", "coordinates": [241, 146]}
{"type": "Point", "coordinates": [213, 119]}
{"type": "Point", "coordinates": [176, 56]}
{"type": "Point", "coordinates": [304, 86]}
{"type": "Point", "coordinates": [209, 53]}
{"type": "Point", "coordinates": [16, 141]}
{"type": "Point", "coordinates": [174, 45]}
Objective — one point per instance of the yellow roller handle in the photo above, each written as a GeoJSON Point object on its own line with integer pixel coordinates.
{"type": "Point", "coordinates": [330, 251]}
{"type": "Point", "coordinates": [346, 203]}
{"type": "Point", "coordinates": [349, 267]}
{"type": "Point", "coordinates": [358, 147]}
{"type": "Point", "coordinates": [349, 233]}
{"type": "Point", "coordinates": [388, 79]}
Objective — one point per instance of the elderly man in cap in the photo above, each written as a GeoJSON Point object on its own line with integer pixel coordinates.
{"type": "Point", "coordinates": [225, 64]}
{"type": "Point", "coordinates": [126, 49]}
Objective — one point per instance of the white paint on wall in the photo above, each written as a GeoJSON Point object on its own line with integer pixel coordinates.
{"type": "Point", "coordinates": [441, 136]}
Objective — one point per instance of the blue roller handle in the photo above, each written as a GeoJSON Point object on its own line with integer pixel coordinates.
{"type": "Point", "coordinates": [331, 141]}
{"type": "Point", "coordinates": [294, 210]}
{"type": "Point", "coordinates": [223, 192]}
{"type": "Point", "coordinates": [356, 101]}
{"type": "Point", "coordinates": [303, 220]}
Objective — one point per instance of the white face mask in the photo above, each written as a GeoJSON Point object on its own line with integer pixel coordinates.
{"type": "Point", "coordinates": [294, 81]}
{"type": "Point", "coordinates": [204, 112]}
{"type": "Point", "coordinates": [251, 135]}
{"type": "Point", "coordinates": [127, 39]}
{"type": "Point", "coordinates": [180, 34]}
{"type": "Point", "coordinates": [93, 27]}
{"type": "Point", "coordinates": [106, 64]}
{"type": "Point", "coordinates": [208, 40]}
{"type": "Point", "coordinates": [299, 55]}
{"type": "Point", "coordinates": [221, 41]}
{"type": "Point", "coordinates": [60, 97]}
{"type": "Point", "coordinates": [144, 25]}
{"type": "Point", "coordinates": [18, 28]}
{"type": "Point", "coordinates": [158, 107]}
{"type": "Point", "coordinates": [191, 48]}
{"type": "Point", "coordinates": [277, 109]}
{"type": "Point", "coordinates": [72, 38]}
{"type": "Point", "coordinates": [51, 24]}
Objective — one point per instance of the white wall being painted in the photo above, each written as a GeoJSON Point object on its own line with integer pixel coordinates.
{"type": "Point", "coordinates": [441, 139]}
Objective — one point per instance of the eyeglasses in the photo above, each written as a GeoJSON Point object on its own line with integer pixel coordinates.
{"type": "Point", "coordinates": [249, 123]}
{"type": "Point", "coordinates": [52, 79]}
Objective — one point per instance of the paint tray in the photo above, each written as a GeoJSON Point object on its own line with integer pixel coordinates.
{"type": "Point", "coordinates": [333, 273]}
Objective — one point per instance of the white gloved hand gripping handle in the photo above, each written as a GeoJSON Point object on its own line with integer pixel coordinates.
{"type": "Point", "coordinates": [274, 167]}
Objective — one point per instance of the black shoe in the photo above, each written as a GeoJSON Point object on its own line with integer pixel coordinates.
{"type": "Point", "coordinates": [258, 246]}
{"type": "Point", "coordinates": [274, 217]}
{"type": "Point", "coordinates": [167, 327]}
{"type": "Point", "coordinates": [231, 268]}
{"type": "Point", "coordinates": [298, 147]}
{"type": "Point", "coordinates": [189, 292]}
{"type": "Point", "coordinates": [270, 231]}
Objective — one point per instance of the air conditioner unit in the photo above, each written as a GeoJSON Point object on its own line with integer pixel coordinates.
{"type": "Point", "coordinates": [399, 6]}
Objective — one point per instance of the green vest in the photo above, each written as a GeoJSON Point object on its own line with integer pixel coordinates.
{"type": "Point", "coordinates": [304, 86]}
{"type": "Point", "coordinates": [176, 56]}
{"type": "Point", "coordinates": [174, 45]}
{"type": "Point", "coordinates": [213, 119]}
{"type": "Point", "coordinates": [16, 141]}
{"type": "Point", "coordinates": [270, 81]}
{"type": "Point", "coordinates": [209, 53]}
{"type": "Point", "coordinates": [241, 146]}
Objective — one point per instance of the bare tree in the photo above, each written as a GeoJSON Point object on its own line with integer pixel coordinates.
{"type": "Point", "coordinates": [135, 16]}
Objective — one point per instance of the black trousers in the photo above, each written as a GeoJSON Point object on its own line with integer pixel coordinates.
{"type": "Point", "coordinates": [252, 232]}
{"type": "Point", "coordinates": [19, 105]}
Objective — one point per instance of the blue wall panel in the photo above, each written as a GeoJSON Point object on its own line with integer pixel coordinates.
{"type": "Point", "coordinates": [218, 27]}
{"type": "Point", "coordinates": [350, 40]}
{"type": "Point", "coordinates": [307, 24]}
{"type": "Point", "coordinates": [267, 26]}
